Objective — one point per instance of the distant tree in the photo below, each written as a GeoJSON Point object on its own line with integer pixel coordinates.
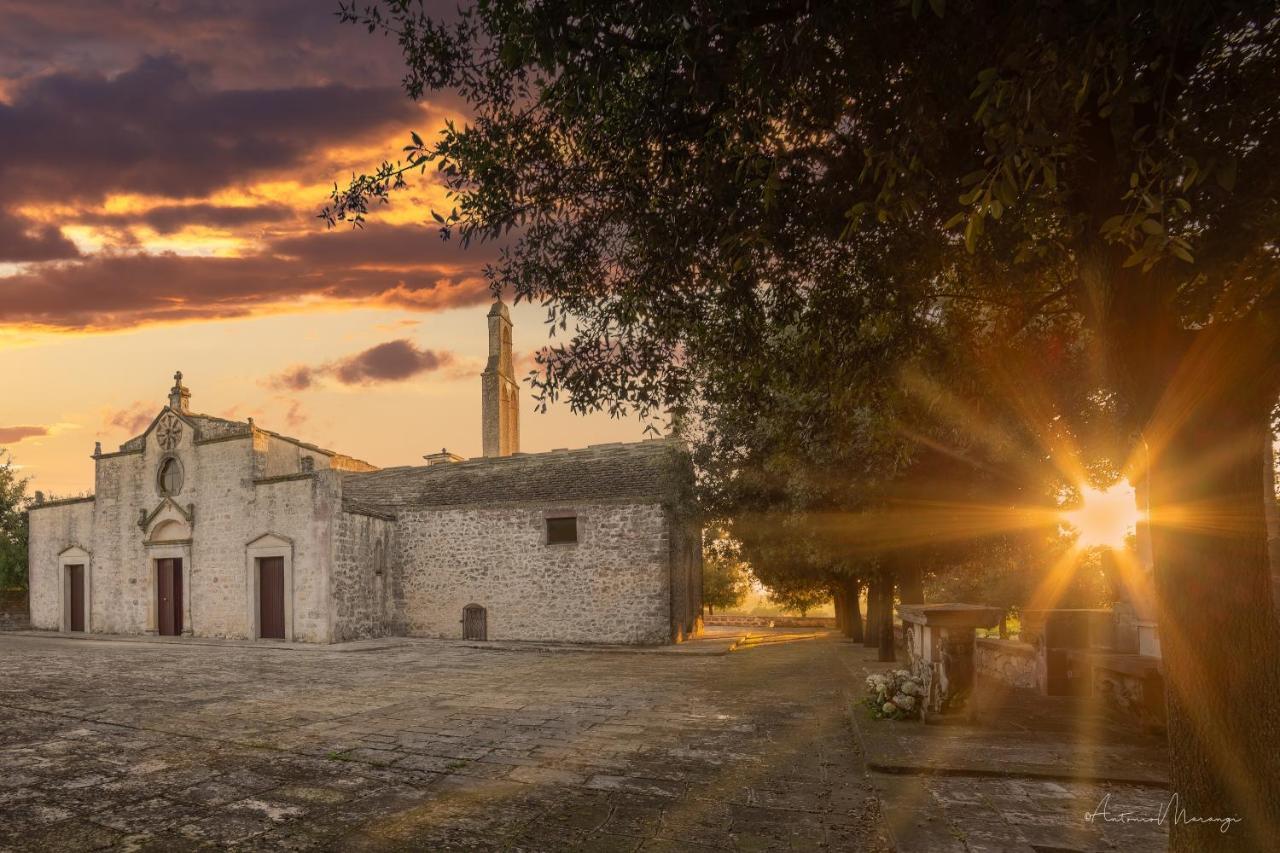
{"type": "Point", "coordinates": [13, 525]}
{"type": "Point", "coordinates": [726, 580]}
{"type": "Point", "coordinates": [800, 598]}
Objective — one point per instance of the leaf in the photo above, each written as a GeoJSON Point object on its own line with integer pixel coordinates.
{"type": "Point", "coordinates": [939, 7]}
{"type": "Point", "coordinates": [1082, 92]}
{"type": "Point", "coordinates": [1152, 226]}
{"type": "Point", "coordinates": [955, 220]}
{"type": "Point", "coordinates": [1226, 175]}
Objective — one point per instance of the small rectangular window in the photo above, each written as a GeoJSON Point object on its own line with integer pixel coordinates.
{"type": "Point", "coordinates": [562, 530]}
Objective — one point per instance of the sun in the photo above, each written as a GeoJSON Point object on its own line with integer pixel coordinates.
{"type": "Point", "coordinates": [1105, 517]}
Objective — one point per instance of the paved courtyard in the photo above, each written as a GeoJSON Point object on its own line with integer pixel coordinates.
{"type": "Point", "coordinates": [427, 746]}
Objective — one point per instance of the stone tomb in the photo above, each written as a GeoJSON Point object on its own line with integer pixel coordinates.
{"type": "Point", "coordinates": [940, 651]}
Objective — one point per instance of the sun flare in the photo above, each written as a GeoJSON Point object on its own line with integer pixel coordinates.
{"type": "Point", "coordinates": [1104, 517]}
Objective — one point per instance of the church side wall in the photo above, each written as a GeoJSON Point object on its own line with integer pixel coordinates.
{"type": "Point", "coordinates": [53, 530]}
{"type": "Point", "coordinates": [612, 586]}
{"type": "Point", "coordinates": [121, 596]}
{"type": "Point", "coordinates": [361, 584]}
{"type": "Point", "coordinates": [301, 509]}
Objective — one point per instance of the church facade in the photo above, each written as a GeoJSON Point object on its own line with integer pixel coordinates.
{"type": "Point", "coordinates": [203, 526]}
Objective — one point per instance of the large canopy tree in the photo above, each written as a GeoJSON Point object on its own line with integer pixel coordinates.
{"type": "Point", "coordinates": [679, 178]}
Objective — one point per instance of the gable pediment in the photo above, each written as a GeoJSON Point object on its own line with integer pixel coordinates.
{"type": "Point", "coordinates": [167, 510]}
{"type": "Point", "coordinates": [138, 442]}
{"type": "Point", "coordinates": [74, 552]}
{"type": "Point", "coordinates": [270, 540]}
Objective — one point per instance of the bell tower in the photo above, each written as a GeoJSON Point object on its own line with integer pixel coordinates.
{"type": "Point", "coordinates": [500, 393]}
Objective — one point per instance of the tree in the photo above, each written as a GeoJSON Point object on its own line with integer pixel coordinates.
{"type": "Point", "coordinates": [13, 525]}
{"type": "Point", "coordinates": [725, 578]}
{"type": "Point", "coordinates": [680, 177]}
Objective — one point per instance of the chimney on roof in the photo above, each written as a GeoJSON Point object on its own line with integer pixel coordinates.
{"type": "Point", "coordinates": [179, 395]}
{"type": "Point", "coordinates": [500, 393]}
{"type": "Point", "coordinates": [443, 456]}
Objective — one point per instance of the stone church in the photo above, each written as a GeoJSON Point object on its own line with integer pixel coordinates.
{"type": "Point", "coordinates": [208, 527]}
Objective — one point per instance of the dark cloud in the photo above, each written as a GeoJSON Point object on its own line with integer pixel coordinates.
{"type": "Point", "coordinates": [393, 361]}
{"type": "Point", "coordinates": [382, 245]}
{"type": "Point", "coordinates": [389, 362]}
{"type": "Point", "coordinates": [296, 378]}
{"type": "Point", "coordinates": [246, 43]}
{"type": "Point", "coordinates": [160, 128]}
{"type": "Point", "coordinates": [168, 218]}
{"type": "Point", "coordinates": [14, 434]}
{"type": "Point", "coordinates": [121, 291]}
{"type": "Point", "coordinates": [23, 241]}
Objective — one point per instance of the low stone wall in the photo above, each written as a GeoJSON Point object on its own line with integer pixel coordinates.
{"type": "Point", "coordinates": [770, 621]}
{"type": "Point", "coordinates": [14, 612]}
{"type": "Point", "coordinates": [1007, 661]}
{"type": "Point", "coordinates": [1140, 700]}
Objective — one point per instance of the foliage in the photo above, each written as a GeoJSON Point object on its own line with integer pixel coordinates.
{"type": "Point", "coordinates": [725, 577]}
{"type": "Point", "coordinates": [13, 525]}
{"type": "Point", "coordinates": [833, 219]}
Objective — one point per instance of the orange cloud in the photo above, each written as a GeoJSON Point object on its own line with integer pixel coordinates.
{"type": "Point", "coordinates": [14, 434]}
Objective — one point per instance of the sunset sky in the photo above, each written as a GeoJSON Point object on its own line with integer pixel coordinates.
{"type": "Point", "coordinates": [163, 163]}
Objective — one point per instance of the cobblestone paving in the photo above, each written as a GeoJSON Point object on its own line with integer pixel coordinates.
{"type": "Point", "coordinates": [429, 746]}
{"type": "Point", "coordinates": [998, 791]}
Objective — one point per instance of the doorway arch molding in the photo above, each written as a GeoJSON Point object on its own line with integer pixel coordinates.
{"type": "Point", "coordinates": [268, 545]}
{"type": "Point", "coordinates": [74, 555]}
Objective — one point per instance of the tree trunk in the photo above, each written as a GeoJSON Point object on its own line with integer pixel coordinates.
{"type": "Point", "coordinates": [1219, 636]}
{"type": "Point", "coordinates": [910, 577]}
{"type": "Point", "coordinates": [871, 636]}
{"type": "Point", "coordinates": [886, 617]}
{"type": "Point", "coordinates": [1272, 515]}
{"type": "Point", "coordinates": [853, 616]}
{"type": "Point", "coordinates": [838, 601]}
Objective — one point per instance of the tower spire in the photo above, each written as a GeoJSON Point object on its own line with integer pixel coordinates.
{"type": "Point", "coordinates": [500, 393]}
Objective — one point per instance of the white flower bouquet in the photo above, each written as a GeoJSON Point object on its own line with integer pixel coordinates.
{"type": "Point", "coordinates": [894, 695]}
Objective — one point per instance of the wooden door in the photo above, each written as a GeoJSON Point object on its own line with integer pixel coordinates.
{"type": "Point", "coordinates": [474, 623]}
{"type": "Point", "coordinates": [76, 583]}
{"type": "Point", "coordinates": [169, 596]}
{"type": "Point", "coordinates": [271, 598]}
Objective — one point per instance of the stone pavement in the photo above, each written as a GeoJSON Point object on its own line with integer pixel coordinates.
{"type": "Point", "coordinates": [1020, 777]}
{"type": "Point", "coordinates": [428, 746]}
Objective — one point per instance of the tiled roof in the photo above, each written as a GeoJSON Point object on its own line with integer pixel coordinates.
{"type": "Point", "coordinates": [653, 470]}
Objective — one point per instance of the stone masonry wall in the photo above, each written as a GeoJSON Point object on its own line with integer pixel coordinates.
{"type": "Point", "coordinates": [231, 508]}
{"type": "Point", "coordinates": [1006, 661]}
{"type": "Point", "coordinates": [612, 586]}
{"type": "Point", "coordinates": [362, 585]}
{"type": "Point", "coordinates": [302, 510]}
{"type": "Point", "coordinates": [15, 614]}
{"type": "Point", "coordinates": [53, 530]}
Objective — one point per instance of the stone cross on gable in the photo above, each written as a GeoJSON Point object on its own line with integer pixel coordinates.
{"type": "Point", "coordinates": [179, 395]}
